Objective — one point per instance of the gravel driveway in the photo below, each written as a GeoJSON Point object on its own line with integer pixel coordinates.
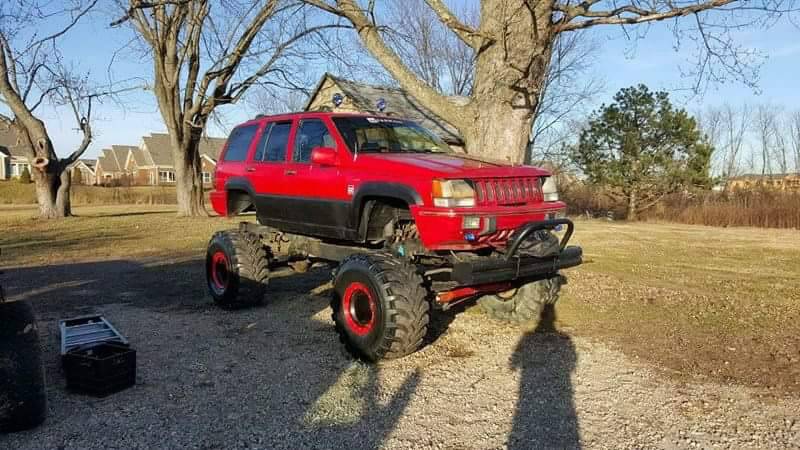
{"type": "Point", "coordinates": [276, 377]}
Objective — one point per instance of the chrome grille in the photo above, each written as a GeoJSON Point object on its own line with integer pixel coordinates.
{"type": "Point", "coordinates": [507, 191]}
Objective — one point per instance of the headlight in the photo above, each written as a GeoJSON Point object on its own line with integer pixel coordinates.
{"type": "Point", "coordinates": [453, 194]}
{"type": "Point", "coordinates": [549, 190]}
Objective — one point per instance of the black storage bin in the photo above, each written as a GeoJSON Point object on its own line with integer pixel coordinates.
{"type": "Point", "coordinates": [100, 370]}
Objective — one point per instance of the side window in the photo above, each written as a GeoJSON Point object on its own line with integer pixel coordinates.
{"type": "Point", "coordinates": [311, 133]}
{"type": "Point", "coordinates": [277, 141]}
{"type": "Point", "coordinates": [239, 143]}
{"type": "Point", "coordinates": [262, 144]}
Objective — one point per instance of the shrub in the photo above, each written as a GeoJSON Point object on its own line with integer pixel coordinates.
{"type": "Point", "coordinates": [25, 176]}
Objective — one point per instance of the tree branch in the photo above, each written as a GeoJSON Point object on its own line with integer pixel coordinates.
{"type": "Point", "coordinates": [469, 35]}
{"type": "Point", "coordinates": [628, 14]}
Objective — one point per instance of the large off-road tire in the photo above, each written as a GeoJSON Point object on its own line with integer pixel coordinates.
{"type": "Point", "coordinates": [23, 402]}
{"type": "Point", "coordinates": [523, 304]}
{"type": "Point", "coordinates": [380, 307]}
{"type": "Point", "coordinates": [237, 269]}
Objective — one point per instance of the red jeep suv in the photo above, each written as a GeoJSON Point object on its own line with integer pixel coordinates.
{"type": "Point", "coordinates": [410, 223]}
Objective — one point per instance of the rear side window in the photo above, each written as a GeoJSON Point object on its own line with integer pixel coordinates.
{"type": "Point", "coordinates": [310, 134]}
{"type": "Point", "coordinates": [239, 143]}
{"type": "Point", "coordinates": [276, 142]}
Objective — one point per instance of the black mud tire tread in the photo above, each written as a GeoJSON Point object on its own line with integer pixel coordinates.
{"type": "Point", "coordinates": [249, 269]}
{"type": "Point", "coordinates": [23, 398]}
{"type": "Point", "coordinates": [526, 306]}
{"type": "Point", "coordinates": [403, 299]}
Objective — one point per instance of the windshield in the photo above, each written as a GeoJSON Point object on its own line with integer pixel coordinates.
{"type": "Point", "coordinates": [387, 135]}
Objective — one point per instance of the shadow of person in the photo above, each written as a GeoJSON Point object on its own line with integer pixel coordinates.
{"type": "Point", "coordinates": [545, 414]}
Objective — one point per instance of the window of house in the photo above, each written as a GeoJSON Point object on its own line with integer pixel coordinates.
{"type": "Point", "coordinates": [239, 143]}
{"type": "Point", "coordinates": [310, 134]}
{"type": "Point", "coordinates": [206, 178]}
{"type": "Point", "coordinates": [166, 176]}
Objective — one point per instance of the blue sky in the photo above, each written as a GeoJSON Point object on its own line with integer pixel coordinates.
{"type": "Point", "coordinates": [653, 61]}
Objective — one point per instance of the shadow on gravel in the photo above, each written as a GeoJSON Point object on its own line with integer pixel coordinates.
{"type": "Point", "coordinates": [545, 415]}
{"type": "Point", "coordinates": [273, 376]}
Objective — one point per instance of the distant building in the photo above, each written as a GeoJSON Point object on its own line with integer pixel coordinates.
{"type": "Point", "coordinates": [13, 156]}
{"type": "Point", "coordinates": [789, 182]}
{"type": "Point", "coordinates": [110, 168]}
{"type": "Point", "coordinates": [83, 172]}
{"type": "Point", "coordinates": [151, 163]}
{"type": "Point", "coordinates": [359, 97]}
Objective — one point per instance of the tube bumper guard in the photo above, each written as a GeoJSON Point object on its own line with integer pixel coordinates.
{"type": "Point", "coordinates": [513, 265]}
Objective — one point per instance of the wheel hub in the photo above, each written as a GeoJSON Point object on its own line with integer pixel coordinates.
{"type": "Point", "coordinates": [360, 308]}
{"type": "Point", "coordinates": [219, 271]}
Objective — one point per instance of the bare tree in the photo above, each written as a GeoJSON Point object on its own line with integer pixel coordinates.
{"type": "Point", "coordinates": [436, 56]}
{"type": "Point", "coordinates": [207, 54]}
{"type": "Point", "coordinates": [32, 74]}
{"type": "Point", "coordinates": [794, 137]}
{"type": "Point", "coordinates": [765, 126]}
{"type": "Point", "coordinates": [726, 127]}
{"type": "Point", "coordinates": [513, 45]}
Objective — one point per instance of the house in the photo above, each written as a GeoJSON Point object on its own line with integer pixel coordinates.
{"type": "Point", "coordinates": [13, 157]}
{"type": "Point", "coordinates": [359, 97]}
{"type": "Point", "coordinates": [789, 182]}
{"type": "Point", "coordinates": [156, 159]}
{"type": "Point", "coordinates": [83, 172]}
{"type": "Point", "coordinates": [110, 168]}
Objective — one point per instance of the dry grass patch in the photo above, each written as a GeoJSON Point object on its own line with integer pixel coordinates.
{"type": "Point", "coordinates": [704, 301]}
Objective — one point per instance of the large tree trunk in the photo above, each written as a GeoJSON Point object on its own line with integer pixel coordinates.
{"type": "Point", "coordinates": [188, 176]}
{"type": "Point", "coordinates": [52, 180]}
{"type": "Point", "coordinates": [509, 78]}
{"type": "Point", "coordinates": [53, 193]}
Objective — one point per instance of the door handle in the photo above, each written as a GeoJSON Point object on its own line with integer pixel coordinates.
{"type": "Point", "coordinates": [290, 172]}
{"type": "Point", "coordinates": [251, 169]}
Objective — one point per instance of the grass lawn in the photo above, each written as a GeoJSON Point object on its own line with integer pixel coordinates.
{"type": "Point", "coordinates": [717, 303]}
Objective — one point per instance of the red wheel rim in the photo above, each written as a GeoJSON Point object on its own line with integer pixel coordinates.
{"type": "Point", "coordinates": [219, 271]}
{"type": "Point", "coordinates": [360, 308]}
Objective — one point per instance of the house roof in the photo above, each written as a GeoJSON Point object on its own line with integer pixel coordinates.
{"type": "Point", "coordinates": [113, 159]}
{"type": "Point", "coordinates": [90, 163]}
{"type": "Point", "coordinates": [158, 146]}
{"type": "Point", "coordinates": [141, 157]}
{"type": "Point", "coordinates": [211, 147]}
{"type": "Point", "coordinates": [9, 144]}
{"type": "Point", "coordinates": [398, 102]}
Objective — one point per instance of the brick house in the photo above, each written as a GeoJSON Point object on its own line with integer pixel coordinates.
{"type": "Point", "coordinates": [359, 97]}
{"type": "Point", "coordinates": [151, 164]}
{"type": "Point", "coordinates": [13, 157]}
{"type": "Point", "coordinates": [110, 168]}
{"type": "Point", "coordinates": [789, 182]}
{"type": "Point", "coordinates": [83, 172]}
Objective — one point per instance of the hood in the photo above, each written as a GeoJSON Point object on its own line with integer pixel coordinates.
{"type": "Point", "coordinates": [456, 165]}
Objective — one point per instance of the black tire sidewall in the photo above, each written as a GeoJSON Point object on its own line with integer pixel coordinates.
{"type": "Point", "coordinates": [366, 344]}
{"type": "Point", "coordinates": [217, 244]}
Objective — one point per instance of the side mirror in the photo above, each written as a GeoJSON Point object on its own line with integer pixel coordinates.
{"type": "Point", "coordinates": [324, 156]}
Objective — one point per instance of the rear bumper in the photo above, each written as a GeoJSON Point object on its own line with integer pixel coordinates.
{"type": "Point", "coordinates": [219, 201]}
{"type": "Point", "coordinates": [496, 270]}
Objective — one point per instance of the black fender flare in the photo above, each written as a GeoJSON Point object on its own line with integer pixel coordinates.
{"type": "Point", "coordinates": [397, 191]}
{"type": "Point", "coordinates": [239, 184]}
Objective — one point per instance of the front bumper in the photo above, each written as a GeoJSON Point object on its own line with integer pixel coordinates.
{"type": "Point", "coordinates": [496, 270]}
{"type": "Point", "coordinates": [516, 264]}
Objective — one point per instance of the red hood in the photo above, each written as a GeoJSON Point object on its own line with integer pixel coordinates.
{"type": "Point", "coordinates": [454, 165]}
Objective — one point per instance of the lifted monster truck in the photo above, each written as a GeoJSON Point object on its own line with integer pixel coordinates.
{"type": "Point", "coordinates": [411, 224]}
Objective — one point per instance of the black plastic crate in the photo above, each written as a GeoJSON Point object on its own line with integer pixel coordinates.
{"type": "Point", "coordinates": [101, 369]}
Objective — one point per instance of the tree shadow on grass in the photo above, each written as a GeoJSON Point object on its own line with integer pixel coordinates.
{"type": "Point", "coordinates": [273, 376]}
{"type": "Point", "coordinates": [545, 416]}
